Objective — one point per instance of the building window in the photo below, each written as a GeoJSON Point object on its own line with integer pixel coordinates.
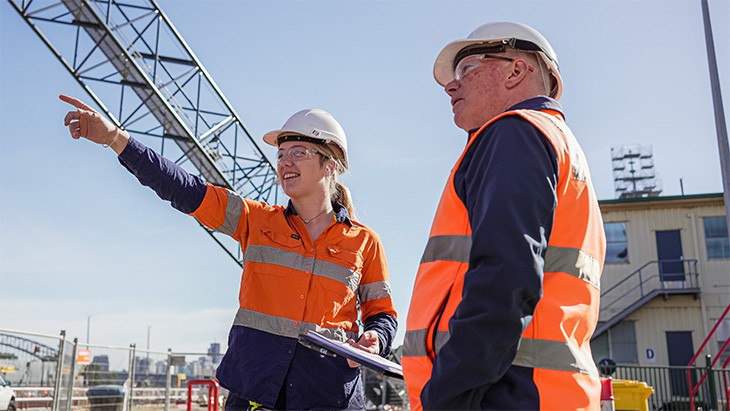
{"type": "Point", "coordinates": [617, 250]}
{"type": "Point", "coordinates": [716, 239]}
{"type": "Point", "coordinates": [623, 343]}
{"type": "Point", "coordinates": [617, 344]}
{"type": "Point", "coordinates": [722, 335]}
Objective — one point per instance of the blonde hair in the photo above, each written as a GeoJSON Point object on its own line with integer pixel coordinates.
{"type": "Point", "coordinates": [338, 192]}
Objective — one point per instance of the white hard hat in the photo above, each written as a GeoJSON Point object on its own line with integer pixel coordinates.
{"type": "Point", "coordinates": [314, 125]}
{"type": "Point", "coordinates": [515, 35]}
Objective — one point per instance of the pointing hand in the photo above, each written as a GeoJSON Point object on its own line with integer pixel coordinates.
{"type": "Point", "coordinates": [88, 123]}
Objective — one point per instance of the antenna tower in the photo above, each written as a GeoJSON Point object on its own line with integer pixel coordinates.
{"type": "Point", "coordinates": [633, 172]}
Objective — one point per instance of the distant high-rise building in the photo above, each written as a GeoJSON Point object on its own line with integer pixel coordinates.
{"type": "Point", "coordinates": [161, 367]}
{"type": "Point", "coordinates": [633, 172]}
{"type": "Point", "coordinates": [102, 361]}
{"type": "Point", "coordinates": [215, 353]}
{"type": "Point", "coordinates": [143, 365]}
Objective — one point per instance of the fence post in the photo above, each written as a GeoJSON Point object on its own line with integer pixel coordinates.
{"type": "Point", "coordinates": [70, 394]}
{"type": "Point", "coordinates": [168, 379]}
{"type": "Point", "coordinates": [132, 357]}
{"type": "Point", "coordinates": [711, 383]}
{"type": "Point", "coordinates": [59, 367]}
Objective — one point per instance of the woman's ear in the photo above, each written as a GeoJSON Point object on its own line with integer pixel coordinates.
{"type": "Point", "coordinates": [329, 168]}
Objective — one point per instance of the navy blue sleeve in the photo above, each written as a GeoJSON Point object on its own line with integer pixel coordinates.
{"type": "Point", "coordinates": [386, 326]}
{"type": "Point", "coordinates": [171, 182]}
{"type": "Point", "coordinates": [507, 182]}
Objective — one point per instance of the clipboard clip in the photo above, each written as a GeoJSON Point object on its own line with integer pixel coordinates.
{"type": "Point", "coordinates": [316, 348]}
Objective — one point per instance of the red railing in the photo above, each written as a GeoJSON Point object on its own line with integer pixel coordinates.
{"type": "Point", "coordinates": [693, 389]}
{"type": "Point", "coordinates": [212, 393]}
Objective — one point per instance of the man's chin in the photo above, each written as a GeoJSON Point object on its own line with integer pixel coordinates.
{"type": "Point", "coordinates": [460, 123]}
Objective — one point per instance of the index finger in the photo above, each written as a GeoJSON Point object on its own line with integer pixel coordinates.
{"type": "Point", "coordinates": [73, 101]}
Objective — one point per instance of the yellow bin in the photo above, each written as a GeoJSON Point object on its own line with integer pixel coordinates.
{"type": "Point", "coordinates": [631, 395]}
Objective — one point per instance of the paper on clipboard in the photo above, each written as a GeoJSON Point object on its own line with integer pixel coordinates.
{"type": "Point", "coordinates": [372, 361]}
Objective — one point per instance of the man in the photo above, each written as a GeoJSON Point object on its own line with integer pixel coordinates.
{"type": "Point", "coordinates": [506, 296]}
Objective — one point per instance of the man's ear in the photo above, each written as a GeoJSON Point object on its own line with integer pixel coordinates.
{"type": "Point", "coordinates": [520, 70]}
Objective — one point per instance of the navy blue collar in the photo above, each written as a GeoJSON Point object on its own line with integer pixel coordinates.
{"type": "Point", "coordinates": [539, 103]}
{"type": "Point", "coordinates": [341, 214]}
{"type": "Point", "coordinates": [534, 103]}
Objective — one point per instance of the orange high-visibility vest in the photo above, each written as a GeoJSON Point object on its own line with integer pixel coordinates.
{"type": "Point", "coordinates": [556, 343]}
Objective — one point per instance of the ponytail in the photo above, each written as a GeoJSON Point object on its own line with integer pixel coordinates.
{"type": "Point", "coordinates": [341, 195]}
{"type": "Point", "coordinates": [338, 192]}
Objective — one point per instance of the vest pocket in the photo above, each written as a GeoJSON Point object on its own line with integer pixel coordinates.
{"type": "Point", "coordinates": [276, 254]}
{"type": "Point", "coordinates": [340, 272]}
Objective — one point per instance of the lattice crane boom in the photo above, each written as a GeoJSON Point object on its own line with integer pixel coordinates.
{"type": "Point", "coordinates": [121, 46]}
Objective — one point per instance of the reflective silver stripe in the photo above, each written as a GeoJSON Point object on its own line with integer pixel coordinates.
{"type": "Point", "coordinates": [338, 273]}
{"type": "Point", "coordinates": [441, 338]}
{"type": "Point", "coordinates": [233, 214]}
{"type": "Point", "coordinates": [575, 262]}
{"type": "Point", "coordinates": [374, 291]}
{"type": "Point", "coordinates": [448, 248]}
{"type": "Point", "coordinates": [414, 343]}
{"type": "Point", "coordinates": [273, 255]}
{"type": "Point", "coordinates": [549, 355]}
{"type": "Point", "coordinates": [553, 355]}
{"type": "Point", "coordinates": [286, 327]}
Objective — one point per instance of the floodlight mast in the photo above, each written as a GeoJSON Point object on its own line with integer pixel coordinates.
{"type": "Point", "coordinates": [720, 125]}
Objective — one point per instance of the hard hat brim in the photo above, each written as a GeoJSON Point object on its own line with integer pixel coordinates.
{"type": "Point", "coordinates": [272, 137]}
{"type": "Point", "coordinates": [443, 67]}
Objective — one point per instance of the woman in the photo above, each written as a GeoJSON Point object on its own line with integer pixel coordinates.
{"type": "Point", "coordinates": [307, 266]}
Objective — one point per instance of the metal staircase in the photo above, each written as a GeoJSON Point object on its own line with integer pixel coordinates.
{"type": "Point", "coordinates": [134, 64]}
{"type": "Point", "coordinates": [653, 279]}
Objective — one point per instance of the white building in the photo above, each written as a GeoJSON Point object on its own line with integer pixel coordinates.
{"type": "Point", "coordinates": [666, 280]}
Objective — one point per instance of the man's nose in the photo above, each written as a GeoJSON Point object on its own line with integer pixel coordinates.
{"type": "Point", "coordinates": [451, 87]}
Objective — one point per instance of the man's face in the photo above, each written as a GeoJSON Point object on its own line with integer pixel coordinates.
{"type": "Point", "coordinates": [475, 97]}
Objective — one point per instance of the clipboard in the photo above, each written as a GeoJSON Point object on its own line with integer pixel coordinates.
{"type": "Point", "coordinates": [330, 347]}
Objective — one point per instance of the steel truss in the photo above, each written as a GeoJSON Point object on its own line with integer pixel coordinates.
{"type": "Point", "coordinates": [30, 347]}
{"type": "Point", "coordinates": [148, 82]}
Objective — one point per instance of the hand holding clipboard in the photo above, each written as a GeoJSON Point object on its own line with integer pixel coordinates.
{"type": "Point", "coordinates": [331, 347]}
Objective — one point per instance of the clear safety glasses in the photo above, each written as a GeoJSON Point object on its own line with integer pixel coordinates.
{"type": "Point", "coordinates": [473, 61]}
{"type": "Point", "coordinates": [296, 153]}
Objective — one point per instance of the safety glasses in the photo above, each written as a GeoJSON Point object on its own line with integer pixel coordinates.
{"type": "Point", "coordinates": [295, 154]}
{"type": "Point", "coordinates": [473, 61]}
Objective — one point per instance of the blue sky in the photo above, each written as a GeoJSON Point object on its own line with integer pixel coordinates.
{"type": "Point", "coordinates": [79, 237]}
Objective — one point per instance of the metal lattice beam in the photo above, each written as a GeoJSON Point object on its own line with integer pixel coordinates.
{"type": "Point", "coordinates": [134, 64]}
{"type": "Point", "coordinates": [30, 347]}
